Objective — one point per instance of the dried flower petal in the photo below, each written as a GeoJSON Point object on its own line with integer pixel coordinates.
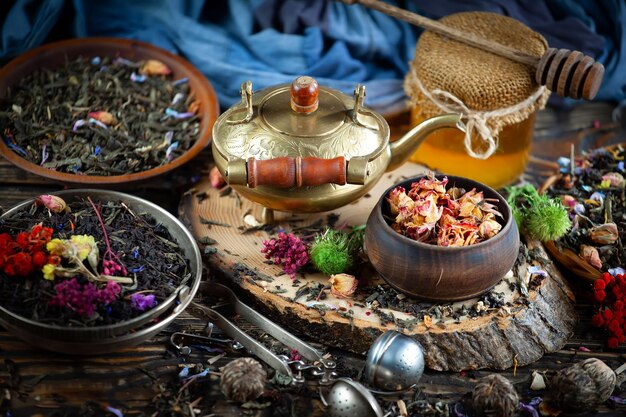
{"type": "Point", "coordinates": [568, 201]}
{"type": "Point", "coordinates": [615, 179]}
{"type": "Point", "coordinates": [194, 107]}
{"type": "Point", "coordinates": [216, 178]}
{"type": "Point", "coordinates": [591, 255]}
{"type": "Point", "coordinates": [489, 227]}
{"type": "Point", "coordinates": [52, 202]}
{"type": "Point", "coordinates": [606, 234]}
{"type": "Point", "coordinates": [103, 116]}
{"type": "Point", "coordinates": [154, 67]}
{"type": "Point", "coordinates": [343, 285]}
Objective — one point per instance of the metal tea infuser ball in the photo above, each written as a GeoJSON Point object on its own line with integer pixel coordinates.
{"type": "Point", "coordinates": [395, 362]}
{"type": "Point", "coordinates": [348, 398]}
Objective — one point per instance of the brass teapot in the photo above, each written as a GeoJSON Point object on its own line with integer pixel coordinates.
{"type": "Point", "coordinates": [306, 148]}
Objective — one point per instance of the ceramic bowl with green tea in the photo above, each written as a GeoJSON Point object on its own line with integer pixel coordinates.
{"type": "Point", "coordinates": [103, 111]}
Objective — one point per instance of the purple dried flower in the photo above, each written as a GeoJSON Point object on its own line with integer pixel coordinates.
{"type": "Point", "coordinates": [97, 123]}
{"type": "Point", "coordinates": [286, 250]}
{"type": "Point", "coordinates": [170, 150]}
{"type": "Point", "coordinates": [178, 97]}
{"type": "Point", "coordinates": [136, 78]}
{"type": "Point", "coordinates": [173, 113]}
{"type": "Point", "coordinates": [142, 302]}
{"type": "Point", "coordinates": [78, 124]}
{"type": "Point", "coordinates": [124, 61]}
{"type": "Point", "coordinates": [169, 135]}
{"type": "Point", "coordinates": [44, 154]}
{"type": "Point", "coordinates": [180, 81]}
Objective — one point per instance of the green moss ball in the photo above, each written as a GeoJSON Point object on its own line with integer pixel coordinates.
{"type": "Point", "coordinates": [330, 258]}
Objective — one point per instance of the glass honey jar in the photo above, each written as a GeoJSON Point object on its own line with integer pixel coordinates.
{"type": "Point", "coordinates": [497, 97]}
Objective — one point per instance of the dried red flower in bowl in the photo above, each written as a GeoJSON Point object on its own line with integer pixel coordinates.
{"type": "Point", "coordinates": [462, 263]}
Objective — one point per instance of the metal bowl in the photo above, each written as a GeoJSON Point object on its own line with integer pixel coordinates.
{"type": "Point", "coordinates": [55, 54]}
{"type": "Point", "coordinates": [88, 340]}
{"type": "Point", "coordinates": [441, 273]}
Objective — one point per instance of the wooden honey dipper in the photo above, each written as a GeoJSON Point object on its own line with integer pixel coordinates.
{"type": "Point", "coordinates": [567, 73]}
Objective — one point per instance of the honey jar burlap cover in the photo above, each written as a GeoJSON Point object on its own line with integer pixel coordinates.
{"type": "Point", "coordinates": [490, 91]}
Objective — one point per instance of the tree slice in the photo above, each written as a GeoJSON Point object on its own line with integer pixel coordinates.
{"type": "Point", "coordinates": [521, 331]}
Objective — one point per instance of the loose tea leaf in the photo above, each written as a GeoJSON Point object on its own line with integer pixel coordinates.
{"type": "Point", "coordinates": [136, 240]}
{"type": "Point", "coordinates": [99, 117]}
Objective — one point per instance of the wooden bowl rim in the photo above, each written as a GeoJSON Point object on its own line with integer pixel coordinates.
{"type": "Point", "coordinates": [506, 228]}
{"type": "Point", "coordinates": [205, 94]}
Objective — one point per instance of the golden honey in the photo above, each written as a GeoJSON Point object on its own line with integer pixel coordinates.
{"type": "Point", "coordinates": [444, 151]}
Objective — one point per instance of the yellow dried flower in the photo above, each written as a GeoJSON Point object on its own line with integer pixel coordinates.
{"type": "Point", "coordinates": [56, 246]}
{"type": "Point", "coordinates": [84, 245]}
{"type": "Point", "coordinates": [48, 271]}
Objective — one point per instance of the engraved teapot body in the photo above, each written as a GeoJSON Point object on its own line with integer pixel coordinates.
{"type": "Point", "coordinates": [305, 148]}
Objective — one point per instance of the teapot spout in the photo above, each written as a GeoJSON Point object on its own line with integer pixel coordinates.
{"type": "Point", "coordinates": [402, 149]}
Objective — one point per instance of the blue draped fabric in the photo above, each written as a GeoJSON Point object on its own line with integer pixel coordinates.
{"type": "Point", "coordinates": [271, 41]}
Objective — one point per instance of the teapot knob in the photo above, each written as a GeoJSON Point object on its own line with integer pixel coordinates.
{"type": "Point", "coordinates": [304, 92]}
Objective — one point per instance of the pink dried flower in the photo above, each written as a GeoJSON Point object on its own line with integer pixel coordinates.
{"type": "Point", "coordinates": [72, 295]}
{"type": "Point", "coordinates": [216, 178]}
{"type": "Point", "coordinates": [591, 255]}
{"type": "Point", "coordinates": [109, 293]}
{"type": "Point", "coordinates": [83, 299]}
{"type": "Point", "coordinates": [52, 202]}
{"type": "Point", "coordinates": [103, 116]}
{"type": "Point", "coordinates": [286, 250]}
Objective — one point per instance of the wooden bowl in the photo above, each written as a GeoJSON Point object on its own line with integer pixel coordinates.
{"type": "Point", "coordinates": [440, 273]}
{"type": "Point", "coordinates": [55, 54]}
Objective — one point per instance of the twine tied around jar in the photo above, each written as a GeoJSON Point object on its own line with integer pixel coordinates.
{"type": "Point", "coordinates": [475, 121]}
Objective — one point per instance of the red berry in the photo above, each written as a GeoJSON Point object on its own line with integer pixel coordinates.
{"type": "Point", "coordinates": [619, 316]}
{"type": "Point", "coordinates": [9, 270]}
{"type": "Point", "coordinates": [599, 284]}
{"type": "Point", "coordinates": [597, 320]}
{"type": "Point", "coordinates": [618, 305]}
{"type": "Point", "coordinates": [600, 295]}
{"type": "Point", "coordinates": [613, 326]}
{"type": "Point", "coordinates": [607, 314]}
{"type": "Point", "coordinates": [621, 338]}
{"type": "Point", "coordinates": [607, 277]}
{"type": "Point", "coordinates": [613, 342]}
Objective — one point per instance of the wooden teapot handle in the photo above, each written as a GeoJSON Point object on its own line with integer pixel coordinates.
{"type": "Point", "coordinates": [287, 171]}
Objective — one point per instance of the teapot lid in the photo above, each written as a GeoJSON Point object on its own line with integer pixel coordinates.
{"type": "Point", "coordinates": [300, 120]}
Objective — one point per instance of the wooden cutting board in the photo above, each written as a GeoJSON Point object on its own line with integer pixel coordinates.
{"type": "Point", "coordinates": [473, 334]}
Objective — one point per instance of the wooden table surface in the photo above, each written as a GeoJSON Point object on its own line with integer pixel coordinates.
{"type": "Point", "coordinates": [144, 380]}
